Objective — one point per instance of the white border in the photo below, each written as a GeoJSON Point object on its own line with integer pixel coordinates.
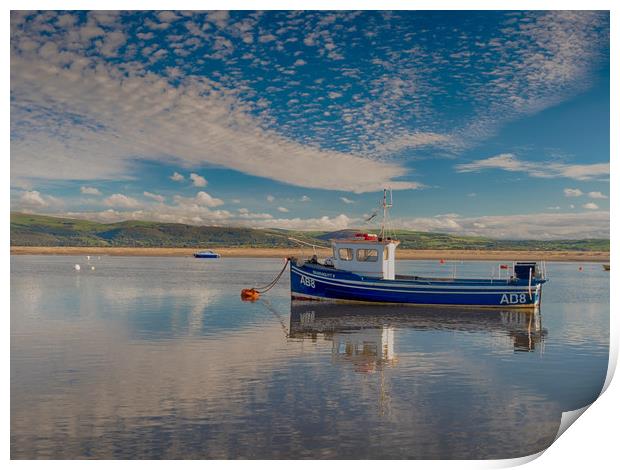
{"type": "Point", "coordinates": [590, 443]}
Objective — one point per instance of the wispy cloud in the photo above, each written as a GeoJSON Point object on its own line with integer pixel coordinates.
{"type": "Point", "coordinates": [573, 192]}
{"type": "Point", "coordinates": [414, 140]}
{"type": "Point", "coordinates": [159, 122]}
{"type": "Point", "coordinates": [550, 225]}
{"type": "Point", "coordinates": [121, 201]}
{"type": "Point", "coordinates": [90, 190]}
{"type": "Point", "coordinates": [509, 162]}
{"type": "Point", "coordinates": [538, 60]}
{"type": "Point", "coordinates": [155, 197]}
{"type": "Point", "coordinates": [346, 200]}
{"type": "Point", "coordinates": [597, 195]}
{"type": "Point", "coordinates": [590, 206]}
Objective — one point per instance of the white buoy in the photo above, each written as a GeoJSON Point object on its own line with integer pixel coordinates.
{"type": "Point", "coordinates": [88, 257]}
{"type": "Point", "coordinates": [77, 267]}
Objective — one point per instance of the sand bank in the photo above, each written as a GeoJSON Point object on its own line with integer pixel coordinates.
{"type": "Point", "coordinates": [585, 256]}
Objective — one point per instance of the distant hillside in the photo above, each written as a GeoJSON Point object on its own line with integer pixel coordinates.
{"type": "Point", "coordinates": [39, 230]}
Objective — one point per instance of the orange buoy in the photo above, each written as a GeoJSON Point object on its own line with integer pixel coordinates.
{"type": "Point", "coordinates": [249, 295]}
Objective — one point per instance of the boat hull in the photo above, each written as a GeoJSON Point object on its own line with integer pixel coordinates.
{"type": "Point", "coordinates": [316, 282]}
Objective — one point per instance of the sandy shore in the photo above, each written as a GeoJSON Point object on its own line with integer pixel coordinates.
{"type": "Point", "coordinates": [594, 256]}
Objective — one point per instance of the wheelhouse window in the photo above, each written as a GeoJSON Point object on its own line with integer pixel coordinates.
{"type": "Point", "coordinates": [367, 255]}
{"type": "Point", "coordinates": [345, 254]}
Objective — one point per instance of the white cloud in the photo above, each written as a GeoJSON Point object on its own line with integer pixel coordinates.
{"type": "Point", "coordinates": [201, 199]}
{"type": "Point", "coordinates": [542, 226]}
{"type": "Point", "coordinates": [128, 116]}
{"type": "Point", "coordinates": [282, 209]}
{"type": "Point", "coordinates": [321, 223]}
{"type": "Point", "coordinates": [299, 62]}
{"type": "Point", "coordinates": [121, 201]}
{"type": "Point", "coordinates": [535, 62]}
{"type": "Point", "coordinates": [187, 212]}
{"type": "Point", "coordinates": [66, 20]}
{"type": "Point", "coordinates": [334, 94]}
{"type": "Point", "coordinates": [346, 200]}
{"type": "Point", "coordinates": [413, 140]}
{"type": "Point", "coordinates": [219, 18]}
{"type": "Point", "coordinates": [266, 38]}
{"type": "Point", "coordinates": [198, 180]}
{"type": "Point", "coordinates": [573, 192]}
{"type": "Point", "coordinates": [89, 32]}
{"type": "Point", "coordinates": [33, 199]}
{"type": "Point", "coordinates": [177, 177]}
{"type": "Point", "coordinates": [90, 190]}
{"type": "Point", "coordinates": [590, 205]}
{"type": "Point", "coordinates": [270, 198]}
{"type": "Point", "coordinates": [155, 197]}
{"type": "Point", "coordinates": [597, 195]}
{"type": "Point", "coordinates": [246, 214]}
{"type": "Point", "coordinates": [509, 162]}
{"type": "Point", "coordinates": [304, 198]}
{"type": "Point", "coordinates": [167, 16]}
{"type": "Point", "coordinates": [112, 41]}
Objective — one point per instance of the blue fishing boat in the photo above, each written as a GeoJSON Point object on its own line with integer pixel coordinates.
{"type": "Point", "coordinates": [206, 254]}
{"type": "Point", "coordinates": [363, 269]}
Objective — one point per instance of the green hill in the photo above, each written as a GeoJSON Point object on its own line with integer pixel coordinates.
{"type": "Point", "coordinates": [40, 230]}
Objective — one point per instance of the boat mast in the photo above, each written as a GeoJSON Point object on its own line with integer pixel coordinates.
{"type": "Point", "coordinates": [386, 206]}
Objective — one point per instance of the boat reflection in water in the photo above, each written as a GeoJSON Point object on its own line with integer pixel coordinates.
{"type": "Point", "coordinates": [364, 334]}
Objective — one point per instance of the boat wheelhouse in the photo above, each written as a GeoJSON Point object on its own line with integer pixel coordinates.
{"type": "Point", "coordinates": [363, 269]}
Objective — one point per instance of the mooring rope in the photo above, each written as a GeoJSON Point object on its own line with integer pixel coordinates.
{"type": "Point", "coordinates": [262, 290]}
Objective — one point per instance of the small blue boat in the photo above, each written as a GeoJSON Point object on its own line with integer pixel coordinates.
{"type": "Point", "coordinates": [363, 269]}
{"type": "Point", "coordinates": [206, 254]}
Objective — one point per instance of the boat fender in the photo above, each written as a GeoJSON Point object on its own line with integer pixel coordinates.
{"type": "Point", "coordinates": [249, 295]}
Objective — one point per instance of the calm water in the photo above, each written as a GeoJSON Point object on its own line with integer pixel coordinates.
{"type": "Point", "coordinates": [159, 358]}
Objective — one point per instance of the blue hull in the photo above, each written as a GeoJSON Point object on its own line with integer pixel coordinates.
{"type": "Point", "coordinates": [318, 282]}
{"type": "Point", "coordinates": [206, 255]}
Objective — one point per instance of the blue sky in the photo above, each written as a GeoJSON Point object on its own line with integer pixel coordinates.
{"type": "Point", "coordinates": [483, 123]}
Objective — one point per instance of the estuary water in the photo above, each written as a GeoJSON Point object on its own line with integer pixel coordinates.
{"type": "Point", "coordinates": [158, 358]}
